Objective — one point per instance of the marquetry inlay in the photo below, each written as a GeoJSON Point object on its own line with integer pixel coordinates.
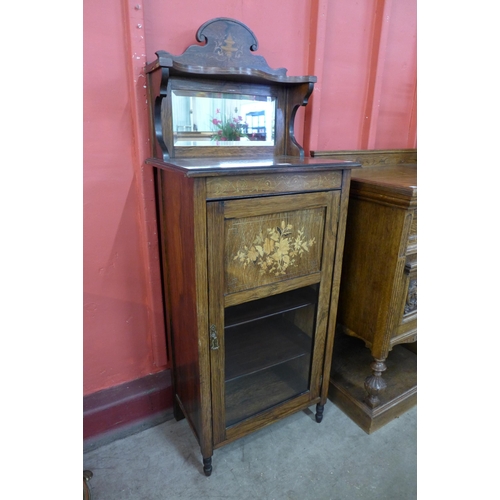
{"type": "Point", "coordinates": [241, 185]}
{"type": "Point", "coordinates": [266, 249]}
{"type": "Point", "coordinates": [226, 47]}
{"type": "Point", "coordinates": [275, 251]}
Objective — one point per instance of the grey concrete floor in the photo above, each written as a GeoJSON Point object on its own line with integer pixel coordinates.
{"type": "Point", "coordinates": [295, 458]}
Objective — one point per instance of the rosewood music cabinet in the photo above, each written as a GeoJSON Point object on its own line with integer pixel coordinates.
{"type": "Point", "coordinates": [378, 292]}
{"type": "Point", "coordinates": [251, 235]}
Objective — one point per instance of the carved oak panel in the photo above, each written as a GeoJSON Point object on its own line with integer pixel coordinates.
{"type": "Point", "coordinates": [411, 297]}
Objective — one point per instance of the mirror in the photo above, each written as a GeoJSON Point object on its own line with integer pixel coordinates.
{"type": "Point", "coordinates": [222, 119]}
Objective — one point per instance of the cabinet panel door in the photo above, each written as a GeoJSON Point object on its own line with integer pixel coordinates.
{"type": "Point", "coordinates": [269, 248]}
{"type": "Point", "coordinates": [267, 348]}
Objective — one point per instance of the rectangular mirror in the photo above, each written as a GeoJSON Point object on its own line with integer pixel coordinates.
{"type": "Point", "coordinates": [220, 119]}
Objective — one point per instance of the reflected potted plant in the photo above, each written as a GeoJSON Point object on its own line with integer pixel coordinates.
{"type": "Point", "coordinates": [228, 128]}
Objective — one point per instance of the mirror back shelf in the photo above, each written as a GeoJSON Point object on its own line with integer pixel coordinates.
{"type": "Point", "coordinates": [220, 99]}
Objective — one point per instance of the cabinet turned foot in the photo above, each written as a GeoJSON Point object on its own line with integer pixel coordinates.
{"type": "Point", "coordinates": [178, 414]}
{"type": "Point", "coordinates": [87, 491]}
{"type": "Point", "coordinates": [319, 412]}
{"type": "Point", "coordinates": [207, 466]}
{"type": "Point", "coordinates": [375, 384]}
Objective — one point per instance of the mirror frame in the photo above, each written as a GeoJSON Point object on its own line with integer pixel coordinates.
{"type": "Point", "coordinates": [235, 88]}
{"type": "Point", "coordinates": [224, 64]}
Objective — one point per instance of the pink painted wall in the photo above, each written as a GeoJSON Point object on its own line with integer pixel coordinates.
{"type": "Point", "coordinates": [122, 335]}
{"type": "Point", "coordinates": [364, 54]}
{"type": "Point", "coordinates": [366, 94]}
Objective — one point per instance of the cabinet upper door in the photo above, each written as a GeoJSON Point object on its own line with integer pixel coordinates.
{"type": "Point", "coordinates": [270, 263]}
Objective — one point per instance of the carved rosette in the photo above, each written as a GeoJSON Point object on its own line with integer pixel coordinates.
{"type": "Point", "coordinates": [411, 298]}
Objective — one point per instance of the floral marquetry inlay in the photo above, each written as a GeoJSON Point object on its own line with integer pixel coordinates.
{"type": "Point", "coordinates": [261, 250]}
{"type": "Point", "coordinates": [277, 250]}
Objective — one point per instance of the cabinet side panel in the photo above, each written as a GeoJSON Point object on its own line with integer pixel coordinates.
{"type": "Point", "coordinates": [177, 234]}
{"type": "Point", "coordinates": [341, 217]}
{"type": "Point", "coordinates": [372, 243]}
{"type": "Point", "coordinates": [322, 337]}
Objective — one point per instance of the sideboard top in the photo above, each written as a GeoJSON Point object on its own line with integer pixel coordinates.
{"type": "Point", "coordinates": [220, 166]}
{"type": "Point", "coordinates": [390, 184]}
{"type": "Point", "coordinates": [401, 175]}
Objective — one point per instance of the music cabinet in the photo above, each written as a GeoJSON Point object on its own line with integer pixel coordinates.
{"type": "Point", "coordinates": [251, 235]}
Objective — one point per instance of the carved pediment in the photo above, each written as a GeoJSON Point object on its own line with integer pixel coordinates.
{"type": "Point", "coordinates": [228, 50]}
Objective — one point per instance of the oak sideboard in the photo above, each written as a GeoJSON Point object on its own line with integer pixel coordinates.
{"type": "Point", "coordinates": [377, 311]}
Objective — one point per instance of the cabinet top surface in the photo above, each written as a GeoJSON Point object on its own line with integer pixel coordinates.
{"type": "Point", "coordinates": [214, 166]}
{"type": "Point", "coordinates": [395, 184]}
{"type": "Point", "coordinates": [399, 176]}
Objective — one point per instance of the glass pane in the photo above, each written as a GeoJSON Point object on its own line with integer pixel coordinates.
{"type": "Point", "coordinates": [218, 119]}
{"type": "Point", "coordinates": [268, 351]}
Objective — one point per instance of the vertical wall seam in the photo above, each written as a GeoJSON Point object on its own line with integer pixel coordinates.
{"type": "Point", "coordinates": [316, 60]}
{"type": "Point", "coordinates": [382, 15]}
{"type": "Point", "coordinates": [412, 129]}
{"type": "Point", "coordinates": [135, 50]}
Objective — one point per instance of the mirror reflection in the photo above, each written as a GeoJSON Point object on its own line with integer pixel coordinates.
{"type": "Point", "coordinates": [218, 119]}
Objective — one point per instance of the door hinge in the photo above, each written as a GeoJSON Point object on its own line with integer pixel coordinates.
{"type": "Point", "coordinates": [214, 341]}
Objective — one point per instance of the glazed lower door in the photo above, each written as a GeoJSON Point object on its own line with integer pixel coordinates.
{"type": "Point", "coordinates": [269, 292]}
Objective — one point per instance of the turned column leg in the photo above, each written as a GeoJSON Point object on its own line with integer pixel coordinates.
{"type": "Point", "coordinates": [375, 384]}
{"type": "Point", "coordinates": [319, 412]}
{"type": "Point", "coordinates": [207, 466]}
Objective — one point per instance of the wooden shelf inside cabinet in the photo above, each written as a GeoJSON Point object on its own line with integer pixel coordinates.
{"type": "Point", "coordinates": [265, 349]}
{"type": "Point", "coordinates": [269, 306]}
{"type": "Point", "coordinates": [246, 396]}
